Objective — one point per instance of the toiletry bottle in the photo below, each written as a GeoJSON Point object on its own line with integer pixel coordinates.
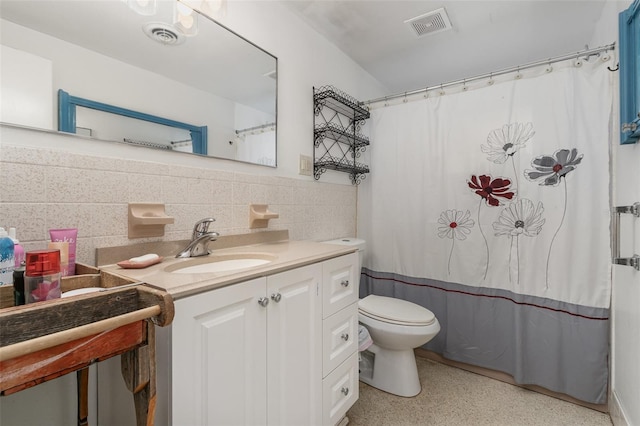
{"type": "Point", "coordinates": [69, 235]}
{"type": "Point", "coordinates": [42, 276]}
{"type": "Point", "coordinates": [18, 285]}
{"type": "Point", "coordinates": [7, 262]}
{"type": "Point", "coordinates": [18, 251]}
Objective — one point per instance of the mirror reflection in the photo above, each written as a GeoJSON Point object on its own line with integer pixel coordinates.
{"type": "Point", "coordinates": [171, 63]}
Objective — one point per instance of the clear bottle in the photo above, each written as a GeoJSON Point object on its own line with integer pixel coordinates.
{"type": "Point", "coordinates": [42, 276]}
{"type": "Point", "coordinates": [7, 258]}
{"type": "Point", "coordinates": [18, 251]}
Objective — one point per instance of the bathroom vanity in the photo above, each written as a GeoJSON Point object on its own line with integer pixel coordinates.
{"type": "Point", "coordinates": [272, 344]}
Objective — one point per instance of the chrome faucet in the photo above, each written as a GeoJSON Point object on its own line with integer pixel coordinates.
{"type": "Point", "coordinates": [200, 239]}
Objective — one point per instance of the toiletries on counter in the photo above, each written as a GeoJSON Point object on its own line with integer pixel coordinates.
{"type": "Point", "coordinates": [42, 276]}
{"type": "Point", "coordinates": [64, 256]}
{"type": "Point", "coordinates": [70, 236]}
{"type": "Point", "coordinates": [18, 285]}
{"type": "Point", "coordinates": [7, 258]}
{"type": "Point", "coordinates": [18, 251]}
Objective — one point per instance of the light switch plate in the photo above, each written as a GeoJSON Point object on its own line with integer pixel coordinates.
{"type": "Point", "coordinates": [306, 165]}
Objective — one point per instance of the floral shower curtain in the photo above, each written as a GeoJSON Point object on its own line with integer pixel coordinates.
{"type": "Point", "coordinates": [490, 207]}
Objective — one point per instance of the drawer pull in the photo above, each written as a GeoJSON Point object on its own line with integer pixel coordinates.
{"type": "Point", "coordinates": [263, 301]}
{"type": "Point", "coordinates": [344, 283]}
{"type": "Point", "coordinates": [345, 391]}
{"type": "Point", "coordinates": [276, 297]}
{"type": "Point", "coordinates": [345, 336]}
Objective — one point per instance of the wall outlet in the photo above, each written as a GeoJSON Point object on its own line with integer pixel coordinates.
{"type": "Point", "coordinates": [306, 165]}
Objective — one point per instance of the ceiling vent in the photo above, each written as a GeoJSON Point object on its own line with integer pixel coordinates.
{"type": "Point", "coordinates": [163, 33]}
{"type": "Point", "coordinates": [430, 23]}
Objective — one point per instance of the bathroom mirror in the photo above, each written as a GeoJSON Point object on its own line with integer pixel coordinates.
{"type": "Point", "coordinates": [106, 51]}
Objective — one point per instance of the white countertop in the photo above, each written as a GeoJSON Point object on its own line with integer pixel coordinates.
{"type": "Point", "coordinates": [288, 255]}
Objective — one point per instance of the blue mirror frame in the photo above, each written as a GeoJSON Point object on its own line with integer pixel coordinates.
{"type": "Point", "coordinates": [67, 118]}
{"type": "Point", "coordinates": [629, 37]}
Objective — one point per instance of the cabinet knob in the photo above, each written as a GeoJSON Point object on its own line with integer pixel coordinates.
{"type": "Point", "coordinates": [345, 336]}
{"type": "Point", "coordinates": [344, 283]}
{"type": "Point", "coordinates": [276, 297]}
{"type": "Point", "coordinates": [263, 301]}
{"type": "Point", "coordinates": [345, 391]}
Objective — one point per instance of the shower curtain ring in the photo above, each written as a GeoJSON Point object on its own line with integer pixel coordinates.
{"type": "Point", "coordinates": [441, 90]}
{"type": "Point", "coordinates": [549, 67]}
{"type": "Point", "coordinates": [518, 75]}
{"type": "Point", "coordinates": [578, 62]}
{"type": "Point", "coordinates": [405, 98]}
{"type": "Point", "coordinates": [490, 82]}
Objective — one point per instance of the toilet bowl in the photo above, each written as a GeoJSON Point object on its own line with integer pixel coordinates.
{"type": "Point", "coordinates": [396, 327]}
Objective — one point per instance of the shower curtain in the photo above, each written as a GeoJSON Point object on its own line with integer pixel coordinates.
{"type": "Point", "coordinates": [490, 207]}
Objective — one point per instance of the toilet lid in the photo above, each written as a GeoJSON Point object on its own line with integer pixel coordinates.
{"type": "Point", "coordinates": [394, 310]}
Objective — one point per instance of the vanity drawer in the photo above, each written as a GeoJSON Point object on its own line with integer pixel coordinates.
{"type": "Point", "coordinates": [339, 338]}
{"type": "Point", "coordinates": [340, 390]}
{"type": "Point", "coordinates": [340, 283]}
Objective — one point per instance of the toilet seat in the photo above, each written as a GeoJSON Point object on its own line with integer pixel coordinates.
{"type": "Point", "coordinates": [395, 311]}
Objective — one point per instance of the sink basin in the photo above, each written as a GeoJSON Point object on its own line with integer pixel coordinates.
{"type": "Point", "coordinates": [220, 263]}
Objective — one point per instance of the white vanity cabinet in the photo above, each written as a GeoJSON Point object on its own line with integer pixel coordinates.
{"type": "Point", "coordinates": [275, 350]}
{"type": "Point", "coordinates": [249, 353]}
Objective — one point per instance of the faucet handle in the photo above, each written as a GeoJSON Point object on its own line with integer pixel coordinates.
{"type": "Point", "coordinates": [202, 227]}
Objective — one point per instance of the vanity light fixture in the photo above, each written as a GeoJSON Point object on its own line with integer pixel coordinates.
{"type": "Point", "coordinates": [142, 7]}
{"type": "Point", "coordinates": [214, 7]}
{"type": "Point", "coordinates": [211, 8]}
{"type": "Point", "coordinates": [185, 19]}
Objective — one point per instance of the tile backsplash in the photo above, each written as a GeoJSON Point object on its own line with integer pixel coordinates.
{"type": "Point", "coordinates": [41, 189]}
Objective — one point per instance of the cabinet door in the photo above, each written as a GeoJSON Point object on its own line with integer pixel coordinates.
{"type": "Point", "coordinates": [219, 357]}
{"type": "Point", "coordinates": [341, 281]}
{"type": "Point", "coordinates": [294, 352]}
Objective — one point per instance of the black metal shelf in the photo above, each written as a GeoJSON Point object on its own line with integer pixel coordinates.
{"type": "Point", "coordinates": [337, 133]}
{"type": "Point", "coordinates": [340, 102]}
{"type": "Point", "coordinates": [356, 170]}
{"type": "Point", "coordinates": [337, 138]}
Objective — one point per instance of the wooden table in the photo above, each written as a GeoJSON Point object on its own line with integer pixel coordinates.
{"type": "Point", "coordinates": [43, 341]}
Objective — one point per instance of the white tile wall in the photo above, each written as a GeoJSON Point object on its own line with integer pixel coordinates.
{"type": "Point", "coordinates": [42, 189]}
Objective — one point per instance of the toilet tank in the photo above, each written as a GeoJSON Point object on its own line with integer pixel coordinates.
{"type": "Point", "coordinates": [354, 242]}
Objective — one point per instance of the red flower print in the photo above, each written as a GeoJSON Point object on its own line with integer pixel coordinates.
{"type": "Point", "coordinates": [490, 189]}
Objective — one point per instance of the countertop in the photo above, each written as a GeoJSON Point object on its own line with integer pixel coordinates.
{"type": "Point", "coordinates": [288, 255]}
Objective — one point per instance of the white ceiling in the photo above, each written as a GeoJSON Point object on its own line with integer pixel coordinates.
{"type": "Point", "coordinates": [487, 36]}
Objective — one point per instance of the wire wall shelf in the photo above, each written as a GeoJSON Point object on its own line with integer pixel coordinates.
{"type": "Point", "coordinates": [338, 142]}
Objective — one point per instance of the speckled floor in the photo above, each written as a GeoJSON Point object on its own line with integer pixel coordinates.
{"type": "Point", "coordinates": [451, 396]}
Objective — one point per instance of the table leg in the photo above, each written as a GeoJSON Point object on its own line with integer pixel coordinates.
{"type": "Point", "coordinates": [82, 377]}
{"type": "Point", "coordinates": [139, 373]}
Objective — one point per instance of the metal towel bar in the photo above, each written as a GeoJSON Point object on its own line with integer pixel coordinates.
{"type": "Point", "coordinates": [633, 261]}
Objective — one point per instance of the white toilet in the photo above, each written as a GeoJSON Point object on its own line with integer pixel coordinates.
{"type": "Point", "coordinates": [396, 327]}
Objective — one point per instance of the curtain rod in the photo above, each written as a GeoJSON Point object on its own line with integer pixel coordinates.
{"type": "Point", "coordinates": [584, 53]}
{"type": "Point", "coordinates": [262, 126]}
